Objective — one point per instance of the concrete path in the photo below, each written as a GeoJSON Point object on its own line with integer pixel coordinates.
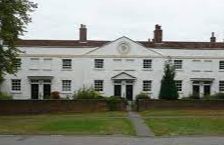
{"type": "Point", "coordinates": [107, 140]}
{"type": "Point", "coordinates": [141, 128]}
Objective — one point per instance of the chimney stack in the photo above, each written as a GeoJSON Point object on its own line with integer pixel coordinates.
{"type": "Point", "coordinates": [82, 33]}
{"type": "Point", "coordinates": [213, 38]}
{"type": "Point", "coordinates": [158, 34]}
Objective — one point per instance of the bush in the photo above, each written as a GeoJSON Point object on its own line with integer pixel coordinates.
{"type": "Point", "coordinates": [87, 93]}
{"type": "Point", "coordinates": [113, 102]}
{"type": "Point", "coordinates": [217, 96]}
{"type": "Point", "coordinates": [143, 96]}
{"type": "Point", "coordinates": [5, 96]}
{"type": "Point", "coordinates": [55, 95]}
{"type": "Point", "coordinates": [191, 97]}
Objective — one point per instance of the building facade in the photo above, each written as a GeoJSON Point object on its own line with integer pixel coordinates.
{"type": "Point", "coordinates": [122, 67]}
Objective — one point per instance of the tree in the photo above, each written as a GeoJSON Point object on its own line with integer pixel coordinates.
{"type": "Point", "coordinates": [14, 16]}
{"type": "Point", "coordinates": [168, 89]}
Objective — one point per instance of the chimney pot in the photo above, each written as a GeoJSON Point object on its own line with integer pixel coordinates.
{"type": "Point", "coordinates": [158, 34]}
{"type": "Point", "coordinates": [213, 38]}
{"type": "Point", "coordinates": [82, 33]}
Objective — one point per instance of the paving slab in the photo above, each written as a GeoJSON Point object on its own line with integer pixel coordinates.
{"type": "Point", "coordinates": [141, 128]}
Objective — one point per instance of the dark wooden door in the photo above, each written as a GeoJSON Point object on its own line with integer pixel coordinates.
{"type": "Point", "coordinates": [47, 90]}
{"type": "Point", "coordinates": [117, 90]}
{"type": "Point", "coordinates": [196, 91]}
{"type": "Point", "coordinates": [34, 91]}
{"type": "Point", "coordinates": [129, 92]}
{"type": "Point", "coordinates": [207, 90]}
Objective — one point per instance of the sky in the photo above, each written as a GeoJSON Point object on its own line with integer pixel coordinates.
{"type": "Point", "coordinates": [181, 20]}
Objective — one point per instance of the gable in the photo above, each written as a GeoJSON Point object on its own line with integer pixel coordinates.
{"type": "Point", "coordinates": [123, 76]}
{"type": "Point", "coordinates": [123, 47]}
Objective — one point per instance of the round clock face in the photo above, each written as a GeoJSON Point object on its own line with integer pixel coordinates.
{"type": "Point", "coordinates": [123, 48]}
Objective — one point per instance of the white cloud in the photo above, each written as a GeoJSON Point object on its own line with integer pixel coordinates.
{"type": "Point", "coordinates": [187, 20]}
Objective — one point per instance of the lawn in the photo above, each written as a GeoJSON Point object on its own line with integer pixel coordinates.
{"type": "Point", "coordinates": [185, 122]}
{"type": "Point", "coordinates": [77, 124]}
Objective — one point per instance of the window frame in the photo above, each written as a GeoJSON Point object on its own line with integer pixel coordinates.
{"type": "Point", "coordinates": [18, 64]}
{"type": "Point", "coordinates": [16, 86]}
{"type": "Point", "coordinates": [147, 85]}
{"type": "Point", "coordinates": [221, 64]}
{"type": "Point", "coordinates": [66, 66]}
{"type": "Point", "coordinates": [179, 85]}
{"type": "Point", "coordinates": [147, 63]}
{"type": "Point", "coordinates": [66, 85]}
{"type": "Point", "coordinates": [99, 85]}
{"type": "Point", "coordinates": [221, 87]}
{"type": "Point", "coordinates": [178, 64]}
{"type": "Point", "coordinates": [99, 63]}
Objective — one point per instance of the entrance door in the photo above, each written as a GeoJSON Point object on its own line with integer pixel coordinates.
{"type": "Point", "coordinates": [207, 90]}
{"type": "Point", "coordinates": [47, 90]}
{"type": "Point", "coordinates": [117, 90]}
{"type": "Point", "coordinates": [196, 91]}
{"type": "Point", "coordinates": [34, 91]}
{"type": "Point", "coordinates": [129, 92]}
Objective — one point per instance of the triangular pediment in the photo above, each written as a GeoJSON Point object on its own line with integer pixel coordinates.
{"type": "Point", "coordinates": [123, 47]}
{"type": "Point", "coordinates": [123, 76]}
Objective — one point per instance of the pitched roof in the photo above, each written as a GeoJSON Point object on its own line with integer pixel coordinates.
{"type": "Point", "coordinates": [98, 43]}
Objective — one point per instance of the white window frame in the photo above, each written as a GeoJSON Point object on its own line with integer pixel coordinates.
{"type": "Point", "coordinates": [66, 85]}
{"type": "Point", "coordinates": [147, 85]}
{"type": "Point", "coordinates": [221, 86]}
{"type": "Point", "coordinates": [99, 63]}
{"type": "Point", "coordinates": [221, 64]}
{"type": "Point", "coordinates": [179, 85]}
{"type": "Point", "coordinates": [178, 64]}
{"type": "Point", "coordinates": [18, 63]}
{"type": "Point", "coordinates": [16, 85]}
{"type": "Point", "coordinates": [147, 63]}
{"type": "Point", "coordinates": [98, 85]}
{"type": "Point", "coordinates": [68, 64]}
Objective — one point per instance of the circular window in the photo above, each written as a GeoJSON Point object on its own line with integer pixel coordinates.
{"type": "Point", "coordinates": [123, 48]}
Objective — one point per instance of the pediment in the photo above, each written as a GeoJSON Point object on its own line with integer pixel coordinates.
{"type": "Point", "coordinates": [123, 76]}
{"type": "Point", "coordinates": [123, 47]}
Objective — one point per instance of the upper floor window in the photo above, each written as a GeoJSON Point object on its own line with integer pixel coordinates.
{"type": "Point", "coordinates": [221, 86]}
{"type": "Point", "coordinates": [147, 63]}
{"type": "Point", "coordinates": [178, 64]}
{"type": "Point", "coordinates": [66, 63]}
{"type": "Point", "coordinates": [98, 85]}
{"type": "Point", "coordinates": [221, 64]}
{"type": "Point", "coordinates": [18, 63]}
{"type": "Point", "coordinates": [99, 63]}
{"type": "Point", "coordinates": [16, 85]}
{"type": "Point", "coordinates": [178, 85]}
{"type": "Point", "coordinates": [66, 85]}
{"type": "Point", "coordinates": [147, 85]}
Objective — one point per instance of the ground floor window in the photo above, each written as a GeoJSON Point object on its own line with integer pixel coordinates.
{"type": "Point", "coordinates": [66, 85]}
{"type": "Point", "coordinates": [147, 85]}
{"type": "Point", "coordinates": [221, 86]}
{"type": "Point", "coordinates": [98, 85]}
{"type": "Point", "coordinates": [16, 85]}
{"type": "Point", "coordinates": [179, 85]}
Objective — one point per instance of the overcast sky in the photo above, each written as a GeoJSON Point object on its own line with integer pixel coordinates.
{"type": "Point", "coordinates": [182, 20]}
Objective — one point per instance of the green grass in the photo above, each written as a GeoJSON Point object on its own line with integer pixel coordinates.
{"type": "Point", "coordinates": [182, 112]}
{"type": "Point", "coordinates": [77, 124]}
{"type": "Point", "coordinates": [174, 122]}
{"type": "Point", "coordinates": [186, 126]}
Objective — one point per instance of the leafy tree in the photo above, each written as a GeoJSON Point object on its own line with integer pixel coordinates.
{"type": "Point", "coordinates": [168, 89]}
{"type": "Point", "coordinates": [14, 16]}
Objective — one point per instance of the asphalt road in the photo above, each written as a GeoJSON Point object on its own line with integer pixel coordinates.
{"type": "Point", "coordinates": [108, 140]}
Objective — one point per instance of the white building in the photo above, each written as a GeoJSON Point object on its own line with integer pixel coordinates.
{"type": "Point", "coordinates": [122, 67]}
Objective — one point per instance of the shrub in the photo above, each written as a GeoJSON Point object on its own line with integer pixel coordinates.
{"type": "Point", "coordinates": [55, 95]}
{"type": "Point", "coordinates": [142, 95]}
{"type": "Point", "coordinates": [168, 89]}
{"type": "Point", "coordinates": [217, 96]}
{"type": "Point", "coordinates": [87, 93]}
{"type": "Point", "coordinates": [113, 102]}
{"type": "Point", "coordinates": [5, 96]}
{"type": "Point", "coordinates": [191, 97]}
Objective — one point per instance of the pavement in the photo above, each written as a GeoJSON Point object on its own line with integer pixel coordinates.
{"type": "Point", "coordinates": [107, 140]}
